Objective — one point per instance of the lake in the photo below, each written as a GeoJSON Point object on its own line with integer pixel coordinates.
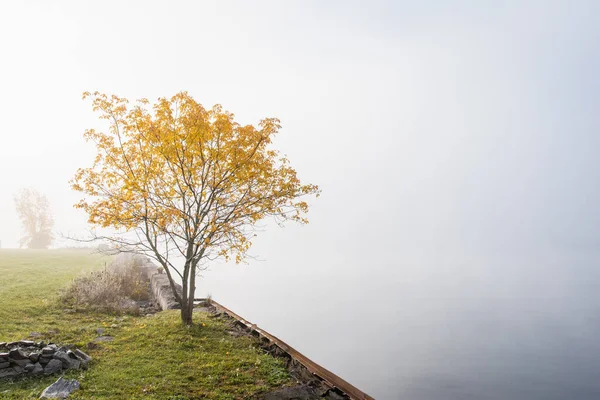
{"type": "Point", "coordinates": [427, 327]}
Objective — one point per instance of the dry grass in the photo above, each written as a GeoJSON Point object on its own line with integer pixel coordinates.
{"type": "Point", "coordinates": [114, 289]}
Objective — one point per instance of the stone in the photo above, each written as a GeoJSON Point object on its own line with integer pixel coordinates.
{"type": "Point", "coordinates": [29, 367]}
{"type": "Point", "coordinates": [104, 339]}
{"type": "Point", "coordinates": [17, 354]}
{"type": "Point", "coordinates": [3, 344]}
{"type": "Point", "coordinates": [100, 331]}
{"type": "Point", "coordinates": [82, 356]}
{"type": "Point", "coordinates": [63, 357]}
{"type": "Point", "coordinates": [61, 389]}
{"type": "Point", "coordinates": [53, 367]}
{"type": "Point", "coordinates": [49, 350]}
{"type": "Point", "coordinates": [301, 392]}
{"type": "Point", "coordinates": [18, 369]}
{"type": "Point", "coordinates": [12, 344]}
{"type": "Point", "coordinates": [21, 363]}
{"type": "Point", "coordinates": [38, 369]}
{"type": "Point", "coordinates": [4, 365]}
{"type": "Point", "coordinates": [34, 357]}
{"type": "Point", "coordinates": [8, 373]}
{"type": "Point", "coordinates": [35, 334]}
{"type": "Point", "coordinates": [44, 359]}
{"type": "Point", "coordinates": [26, 343]}
{"type": "Point", "coordinates": [3, 357]}
{"type": "Point", "coordinates": [67, 362]}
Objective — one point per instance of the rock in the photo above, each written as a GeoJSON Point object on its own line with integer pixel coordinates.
{"type": "Point", "coordinates": [301, 392]}
{"type": "Point", "coordinates": [4, 365]}
{"type": "Point", "coordinates": [60, 389]}
{"type": "Point", "coordinates": [3, 357]}
{"type": "Point", "coordinates": [26, 343]}
{"type": "Point", "coordinates": [8, 373]}
{"type": "Point", "coordinates": [17, 354]}
{"type": "Point", "coordinates": [44, 359]}
{"type": "Point", "coordinates": [100, 331]}
{"type": "Point", "coordinates": [18, 369]}
{"type": "Point", "coordinates": [53, 367]}
{"type": "Point", "coordinates": [64, 358]}
{"type": "Point", "coordinates": [104, 339]}
{"type": "Point", "coordinates": [49, 350]}
{"type": "Point", "coordinates": [21, 363]}
{"type": "Point", "coordinates": [29, 367]}
{"type": "Point", "coordinates": [82, 357]}
{"type": "Point", "coordinates": [35, 334]}
{"type": "Point", "coordinates": [12, 344]}
{"type": "Point", "coordinates": [3, 344]}
{"type": "Point", "coordinates": [34, 357]}
{"type": "Point", "coordinates": [38, 369]}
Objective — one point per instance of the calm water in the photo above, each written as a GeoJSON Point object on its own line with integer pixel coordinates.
{"type": "Point", "coordinates": [509, 327]}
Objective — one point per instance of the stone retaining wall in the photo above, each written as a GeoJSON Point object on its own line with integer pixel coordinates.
{"type": "Point", "coordinates": [160, 286]}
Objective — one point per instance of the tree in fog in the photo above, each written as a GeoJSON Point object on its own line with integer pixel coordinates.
{"type": "Point", "coordinates": [33, 209]}
{"type": "Point", "coordinates": [177, 181]}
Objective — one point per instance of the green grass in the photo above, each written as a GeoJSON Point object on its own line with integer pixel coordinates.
{"type": "Point", "coordinates": [151, 357]}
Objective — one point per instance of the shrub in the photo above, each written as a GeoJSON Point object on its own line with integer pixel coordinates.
{"type": "Point", "coordinates": [114, 289]}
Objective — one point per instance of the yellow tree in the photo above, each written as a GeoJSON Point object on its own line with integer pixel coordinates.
{"type": "Point", "coordinates": [185, 185]}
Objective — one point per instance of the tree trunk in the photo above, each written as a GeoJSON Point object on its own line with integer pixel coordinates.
{"type": "Point", "coordinates": [186, 313]}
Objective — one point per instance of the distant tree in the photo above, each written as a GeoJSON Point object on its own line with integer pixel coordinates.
{"type": "Point", "coordinates": [180, 182]}
{"type": "Point", "coordinates": [34, 212]}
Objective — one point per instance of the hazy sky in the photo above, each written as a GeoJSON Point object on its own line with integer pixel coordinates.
{"type": "Point", "coordinates": [440, 132]}
{"type": "Point", "coordinates": [439, 123]}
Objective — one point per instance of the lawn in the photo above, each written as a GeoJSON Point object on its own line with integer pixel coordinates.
{"type": "Point", "coordinates": [151, 357]}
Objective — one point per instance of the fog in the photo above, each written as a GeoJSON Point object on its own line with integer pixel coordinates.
{"type": "Point", "coordinates": [454, 250]}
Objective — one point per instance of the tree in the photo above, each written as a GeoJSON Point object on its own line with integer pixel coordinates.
{"type": "Point", "coordinates": [34, 212]}
{"type": "Point", "coordinates": [177, 181]}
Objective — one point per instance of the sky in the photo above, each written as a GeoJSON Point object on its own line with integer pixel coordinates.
{"type": "Point", "coordinates": [440, 132]}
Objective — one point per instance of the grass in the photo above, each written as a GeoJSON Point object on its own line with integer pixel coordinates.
{"type": "Point", "coordinates": [150, 358]}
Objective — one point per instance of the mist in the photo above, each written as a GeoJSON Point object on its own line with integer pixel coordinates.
{"type": "Point", "coordinates": [454, 250]}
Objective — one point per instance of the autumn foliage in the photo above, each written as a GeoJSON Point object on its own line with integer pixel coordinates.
{"type": "Point", "coordinates": [176, 181]}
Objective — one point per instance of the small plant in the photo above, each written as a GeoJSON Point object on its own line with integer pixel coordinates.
{"type": "Point", "coordinates": [114, 289]}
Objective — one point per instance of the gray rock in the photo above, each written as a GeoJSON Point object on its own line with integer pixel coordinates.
{"type": "Point", "coordinates": [63, 357]}
{"type": "Point", "coordinates": [61, 389]}
{"type": "Point", "coordinates": [3, 344]}
{"type": "Point", "coordinates": [67, 362]}
{"type": "Point", "coordinates": [44, 359]}
{"type": "Point", "coordinates": [302, 392]}
{"type": "Point", "coordinates": [8, 373]}
{"type": "Point", "coordinates": [34, 357]}
{"type": "Point", "coordinates": [17, 354]}
{"type": "Point", "coordinates": [53, 367]}
{"type": "Point", "coordinates": [81, 355]}
{"type": "Point", "coordinates": [18, 369]}
{"type": "Point", "coordinates": [29, 367]}
{"type": "Point", "coordinates": [12, 344]}
{"type": "Point", "coordinates": [49, 350]}
{"type": "Point", "coordinates": [38, 369]}
{"type": "Point", "coordinates": [100, 331]}
{"type": "Point", "coordinates": [4, 365]}
{"type": "Point", "coordinates": [21, 363]}
{"type": "Point", "coordinates": [27, 343]}
{"type": "Point", "coordinates": [104, 339]}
